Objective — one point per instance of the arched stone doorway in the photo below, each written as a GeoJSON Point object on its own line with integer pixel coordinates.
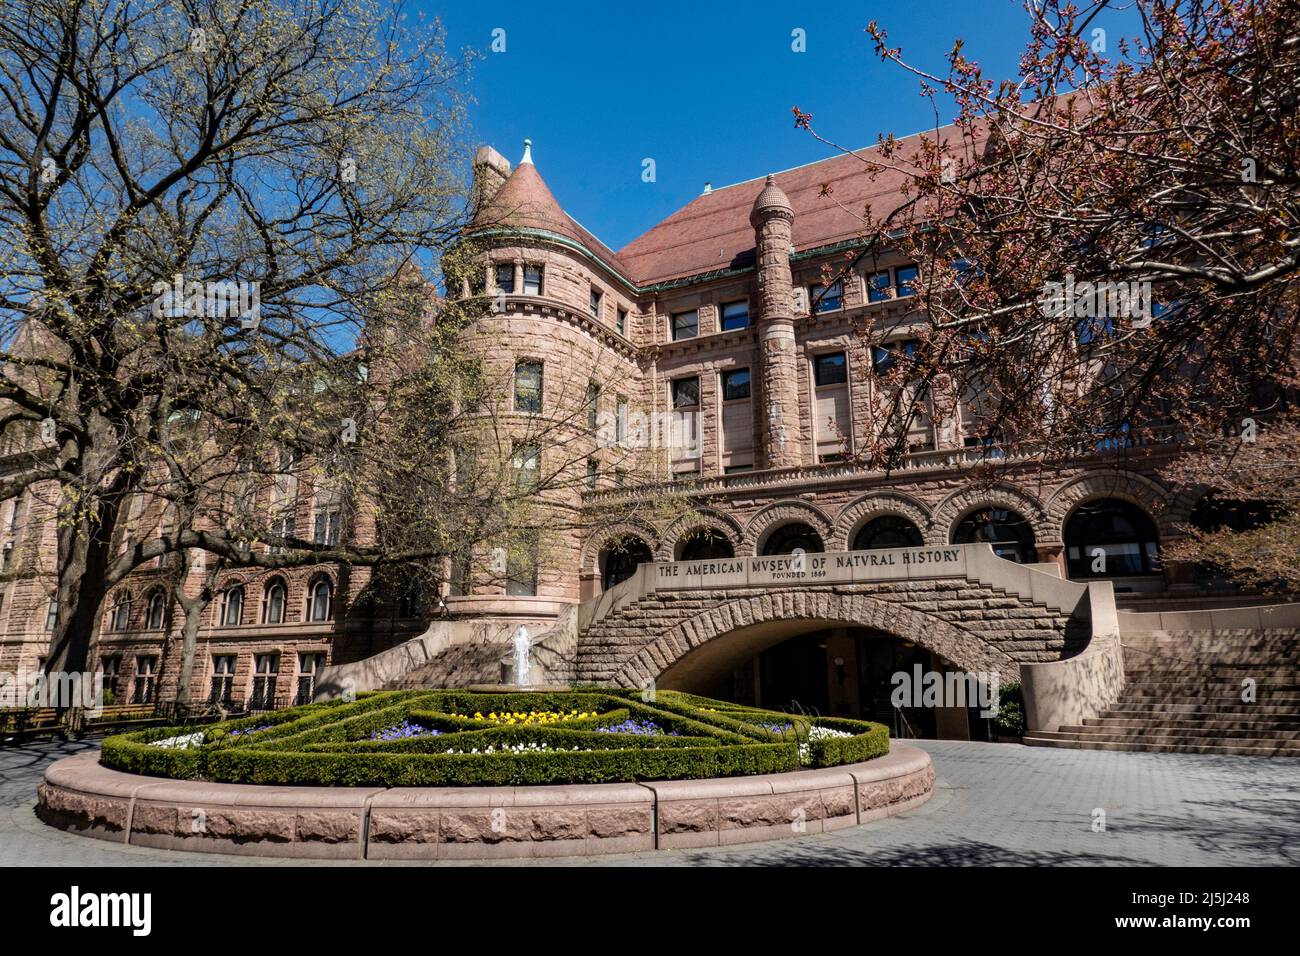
{"type": "Point", "coordinates": [827, 651]}
{"type": "Point", "coordinates": [841, 671]}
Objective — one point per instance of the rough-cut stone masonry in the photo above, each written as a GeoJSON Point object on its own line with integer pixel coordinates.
{"type": "Point", "coordinates": [978, 628]}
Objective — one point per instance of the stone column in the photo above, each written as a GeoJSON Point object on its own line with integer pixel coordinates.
{"type": "Point", "coordinates": [773, 218]}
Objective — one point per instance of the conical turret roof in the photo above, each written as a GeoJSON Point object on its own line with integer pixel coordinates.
{"type": "Point", "coordinates": [525, 202]}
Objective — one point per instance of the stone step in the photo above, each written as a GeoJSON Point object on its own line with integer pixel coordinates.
{"type": "Point", "coordinates": [1220, 723]}
{"type": "Point", "coordinates": [1156, 729]}
{"type": "Point", "coordinates": [1264, 749]}
{"type": "Point", "coordinates": [1231, 687]}
{"type": "Point", "coordinates": [1282, 705]}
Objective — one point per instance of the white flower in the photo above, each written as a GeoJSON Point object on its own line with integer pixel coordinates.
{"type": "Point", "coordinates": [180, 742]}
{"type": "Point", "coordinates": [818, 733]}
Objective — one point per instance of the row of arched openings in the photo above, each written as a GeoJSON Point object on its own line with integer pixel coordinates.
{"type": "Point", "coordinates": [1104, 538]}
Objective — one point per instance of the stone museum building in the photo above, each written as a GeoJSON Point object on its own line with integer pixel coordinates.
{"type": "Point", "coordinates": [801, 576]}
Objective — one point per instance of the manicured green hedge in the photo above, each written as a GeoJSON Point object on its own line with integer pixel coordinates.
{"type": "Point", "coordinates": [327, 744]}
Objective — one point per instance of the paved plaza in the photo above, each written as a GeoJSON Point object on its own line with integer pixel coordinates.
{"type": "Point", "coordinates": [994, 804]}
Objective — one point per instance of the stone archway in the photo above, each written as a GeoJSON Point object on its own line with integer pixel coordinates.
{"type": "Point", "coordinates": [1126, 486]}
{"type": "Point", "coordinates": [781, 513]}
{"type": "Point", "coordinates": [734, 619]}
{"type": "Point", "coordinates": [1004, 495]}
{"type": "Point", "coordinates": [878, 504]}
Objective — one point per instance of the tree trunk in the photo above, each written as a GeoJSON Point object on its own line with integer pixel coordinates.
{"type": "Point", "coordinates": [193, 608]}
{"type": "Point", "coordinates": [83, 561]}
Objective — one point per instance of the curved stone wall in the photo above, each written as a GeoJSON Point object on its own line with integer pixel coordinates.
{"type": "Point", "coordinates": [466, 823]}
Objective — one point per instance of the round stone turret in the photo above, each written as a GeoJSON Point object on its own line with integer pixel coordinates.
{"type": "Point", "coordinates": [772, 201]}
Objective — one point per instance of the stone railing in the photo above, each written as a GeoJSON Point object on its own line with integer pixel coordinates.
{"type": "Point", "coordinates": [338, 680]}
{"type": "Point", "coordinates": [932, 460]}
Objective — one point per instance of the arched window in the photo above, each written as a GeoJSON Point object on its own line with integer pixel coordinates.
{"type": "Point", "coordinates": [887, 531]}
{"type": "Point", "coordinates": [1110, 538]}
{"type": "Point", "coordinates": [121, 619]}
{"type": "Point", "coordinates": [157, 610]}
{"type": "Point", "coordinates": [232, 607]}
{"type": "Point", "coordinates": [704, 544]}
{"type": "Point", "coordinates": [273, 602]}
{"type": "Point", "coordinates": [793, 537]}
{"type": "Point", "coordinates": [321, 600]}
{"type": "Point", "coordinates": [1009, 533]}
{"type": "Point", "coordinates": [621, 561]}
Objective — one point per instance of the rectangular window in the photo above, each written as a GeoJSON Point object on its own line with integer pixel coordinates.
{"type": "Point", "coordinates": [521, 570]}
{"type": "Point", "coordinates": [284, 527]}
{"type": "Point", "coordinates": [266, 670]}
{"type": "Point", "coordinates": [593, 473]}
{"type": "Point", "coordinates": [6, 556]}
{"type": "Point", "coordinates": [735, 315]}
{"type": "Point", "coordinates": [878, 287]}
{"type": "Point", "coordinates": [686, 325]}
{"type": "Point", "coordinates": [736, 469]}
{"type": "Point", "coordinates": [831, 422]}
{"type": "Point", "coordinates": [735, 384]}
{"type": "Point", "coordinates": [16, 518]}
{"type": "Point", "coordinates": [906, 281]}
{"type": "Point", "coordinates": [620, 420]}
{"type": "Point", "coordinates": [830, 369]}
{"type": "Point", "coordinates": [52, 615]}
{"type": "Point", "coordinates": [527, 465]}
{"type": "Point", "coordinates": [111, 666]}
{"type": "Point", "coordinates": [142, 691]}
{"type": "Point", "coordinates": [327, 527]}
{"type": "Point", "coordinates": [309, 666]}
{"type": "Point", "coordinates": [686, 392]}
{"type": "Point", "coordinates": [506, 278]}
{"type": "Point", "coordinates": [528, 387]}
{"type": "Point", "coordinates": [532, 280]}
{"type": "Point", "coordinates": [595, 301]}
{"type": "Point", "coordinates": [223, 680]}
{"type": "Point", "coordinates": [826, 298]}
{"type": "Point", "coordinates": [622, 321]}
{"type": "Point", "coordinates": [884, 357]}
{"type": "Point", "coordinates": [593, 405]}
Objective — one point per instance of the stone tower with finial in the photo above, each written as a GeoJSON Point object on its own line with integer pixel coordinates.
{"type": "Point", "coordinates": [772, 217]}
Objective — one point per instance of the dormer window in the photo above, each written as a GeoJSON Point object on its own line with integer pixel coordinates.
{"type": "Point", "coordinates": [532, 280]}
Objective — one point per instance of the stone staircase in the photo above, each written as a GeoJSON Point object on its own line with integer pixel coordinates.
{"type": "Point", "coordinates": [1184, 693]}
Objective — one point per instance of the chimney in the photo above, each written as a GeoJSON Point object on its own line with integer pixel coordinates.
{"type": "Point", "coordinates": [491, 170]}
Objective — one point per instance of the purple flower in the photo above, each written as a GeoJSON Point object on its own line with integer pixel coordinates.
{"type": "Point", "coordinates": [634, 726]}
{"type": "Point", "coordinates": [404, 731]}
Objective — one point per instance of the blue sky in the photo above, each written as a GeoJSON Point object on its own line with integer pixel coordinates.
{"type": "Point", "coordinates": [704, 89]}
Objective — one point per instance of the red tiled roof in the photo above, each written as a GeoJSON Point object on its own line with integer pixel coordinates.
{"type": "Point", "coordinates": [713, 231]}
{"type": "Point", "coordinates": [525, 202]}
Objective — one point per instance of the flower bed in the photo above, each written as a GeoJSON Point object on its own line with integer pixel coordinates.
{"type": "Point", "coordinates": [453, 738]}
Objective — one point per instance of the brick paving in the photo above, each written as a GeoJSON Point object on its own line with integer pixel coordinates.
{"type": "Point", "coordinates": [994, 804]}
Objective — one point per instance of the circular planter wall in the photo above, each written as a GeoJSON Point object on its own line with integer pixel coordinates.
{"type": "Point", "coordinates": [463, 823]}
